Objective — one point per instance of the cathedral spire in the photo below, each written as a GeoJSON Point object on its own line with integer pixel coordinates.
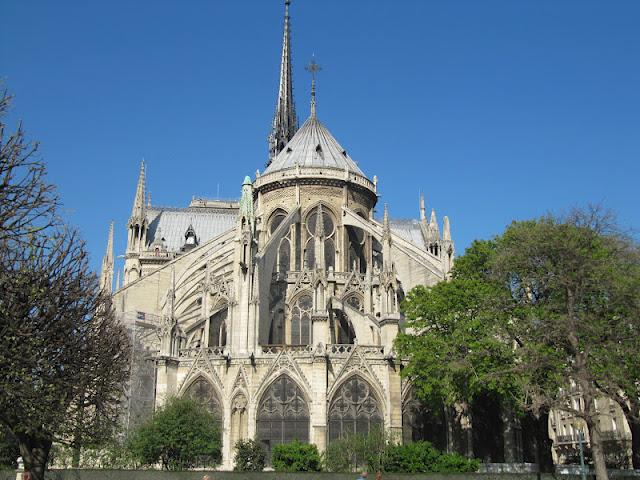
{"type": "Point", "coordinates": [106, 274]}
{"type": "Point", "coordinates": [285, 122]}
{"type": "Point", "coordinates": [138, 210]}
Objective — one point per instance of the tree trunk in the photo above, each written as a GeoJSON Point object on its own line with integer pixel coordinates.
{"type": "Point", "coordinates": [597, 452]}
{"type": "Point", "coordinates": [634, 426]}
{"type": "Point", "coordinates": [35, 453]}
{"type": "Point", "coordinates": [75, 458]}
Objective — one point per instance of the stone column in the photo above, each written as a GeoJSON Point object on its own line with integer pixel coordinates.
{"type": "Point", "coordinates": [318, 404]}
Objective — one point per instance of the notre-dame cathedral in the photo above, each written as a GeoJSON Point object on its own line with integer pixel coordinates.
{"type": "Point", "coordinates": [278, 312]}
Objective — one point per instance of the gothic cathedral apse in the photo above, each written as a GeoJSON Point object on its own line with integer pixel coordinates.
{"type": "Point", "coordinates": [278, 312]}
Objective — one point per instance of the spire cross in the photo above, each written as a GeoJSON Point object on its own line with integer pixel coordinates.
{"type": "Point", "coordinates": [313, 68]}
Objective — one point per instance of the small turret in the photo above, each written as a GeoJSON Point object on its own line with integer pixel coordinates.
{"type": "Point", "coordinates": [138, 223]}
{"type": "Point", "coordinates": [448, 249]}
{"type": "Point", "coordinates": [433, 226]}
{"type": "Point", "coordinates": [423, 213]}
{"type": "Point", "coordinates": [138, 227]}
{"type": "Point", "coordinates": [386, 241]}
{"type": "Point", "coordinates": [446, 230]}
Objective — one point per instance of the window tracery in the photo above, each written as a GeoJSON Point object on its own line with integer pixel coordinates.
{"type": "Point", "coordinates": [202, 392]}
{"type": "Point", "coordinates": [329, 229]}
{"type": "Point", "coordinates": [354, 409]}
{"type": "Point", "coordinates": [283, 414]}
{"type": "Point", "coordinates": [301, 320]}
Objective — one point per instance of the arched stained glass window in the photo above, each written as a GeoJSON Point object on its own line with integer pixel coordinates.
{"type": "Point", "coordinates": [354, 409]}
{"type": "Point", "coordinates": [283, 414]}
{"type": "Point", "coordinates": [301, 321]}
{"type": "Point", "coordinates": [329, 229]}
{"type": "Point", "coordinates": [284, 256]}
{"type": "Point", "coordinates": [276, 220]}
{"type": "Point", "coordinates": [202, 392]}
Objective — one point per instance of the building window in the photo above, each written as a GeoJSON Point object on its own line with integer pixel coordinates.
{"type": "Point", "coordinates": [202, 392]}
{"type": "Point", "coordinates": [354, 409]}
{"type": "Point", "coordinates": [357, 259]}
{"type": "Point", "coordinates": [301, 320]}
{"type": "Point", "coordinates": [218, 329]}
{"type": "Point", "coordinates": [329, 228]}
{"type": "Point", "coordinates": [283, 415]}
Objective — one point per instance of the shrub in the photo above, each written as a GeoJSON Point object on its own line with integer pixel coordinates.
{"type": "Point", "coordinates": [422, 457]}
{"type": "Point", "coordinates": [250, 456]}
{"type": "Point", "coordinates": [181, 435]}
{"type": "Point", "coordinates": [356, 451]}
{"type": "Point", "coordinates": [454, 462]}
{"type": "Point", "coordinates": [296, 457]}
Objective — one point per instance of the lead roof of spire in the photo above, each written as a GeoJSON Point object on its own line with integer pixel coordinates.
{"type": "Point", "coordinates": [138, 210]}
{"type": "Point", "coordinates": [313, 146]}
{"type": "Point", "coordinates": [285, 122]}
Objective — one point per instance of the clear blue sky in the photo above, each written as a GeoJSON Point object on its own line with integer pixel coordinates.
{"type": "Point", "coordinates": [496, 110]}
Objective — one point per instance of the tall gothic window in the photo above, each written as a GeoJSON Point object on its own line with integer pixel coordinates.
{"type": "Point", "coordinates": [218, 328]}
{"type": "Point", "coordinates": [354, 409]}
{"type": "Point", "coordinates": [329, 243]}
{"type": "Point", "coordinates": [202, 392]}
{"type": "Point", "coordinates": [356, 258]}
{"type": "Point", "coordinates": [283, 415]}
{"type": "Point", "coordinates": [301, 320]}
{"type": "Point", "coordinates": [283, 263]}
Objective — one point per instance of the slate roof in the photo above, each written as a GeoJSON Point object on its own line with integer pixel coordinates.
{"type": "Point", "coordinates": [174, 222]}
{"type": "Point", "coordinates": [313, 146]}
{"type": "Point", "coordinates": [408, 229]}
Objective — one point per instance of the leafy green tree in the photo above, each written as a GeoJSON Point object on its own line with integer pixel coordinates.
{"type": "Point", "coordinates": [180, 435]}
{"type": "Point", "coordinates": [454, 338]}
{"type": "Point", "coordinates": [250, 456]}
{"type": "Point", "coordinates": [574, 282]}
{"type": "Point", "coordinates": [296, 457]}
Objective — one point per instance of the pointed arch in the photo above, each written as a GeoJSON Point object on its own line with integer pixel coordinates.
{"type": "Point", "coordinates": [204, 392]}
{"type": "Point", "coordinates": [354, 408]}
{"type": "Point", "coordinates": [283, 414]}
{"type": "Point", "coordinates": [299, 325]}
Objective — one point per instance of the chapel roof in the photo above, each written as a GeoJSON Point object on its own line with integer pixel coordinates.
{"type": "Point", "coordinates": [313, 146]}
{"type": "Point", "coordinates": [172, 223]}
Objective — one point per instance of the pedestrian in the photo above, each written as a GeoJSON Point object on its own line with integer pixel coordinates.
{"type": "Point", "coordinates": [26, 475]}
{"type": "Point", "coordinates": [378, 475]}
{"type": "Point", "coordinates": [206, 477]}
{"type": "Point", "coordinates": [363, 476]}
